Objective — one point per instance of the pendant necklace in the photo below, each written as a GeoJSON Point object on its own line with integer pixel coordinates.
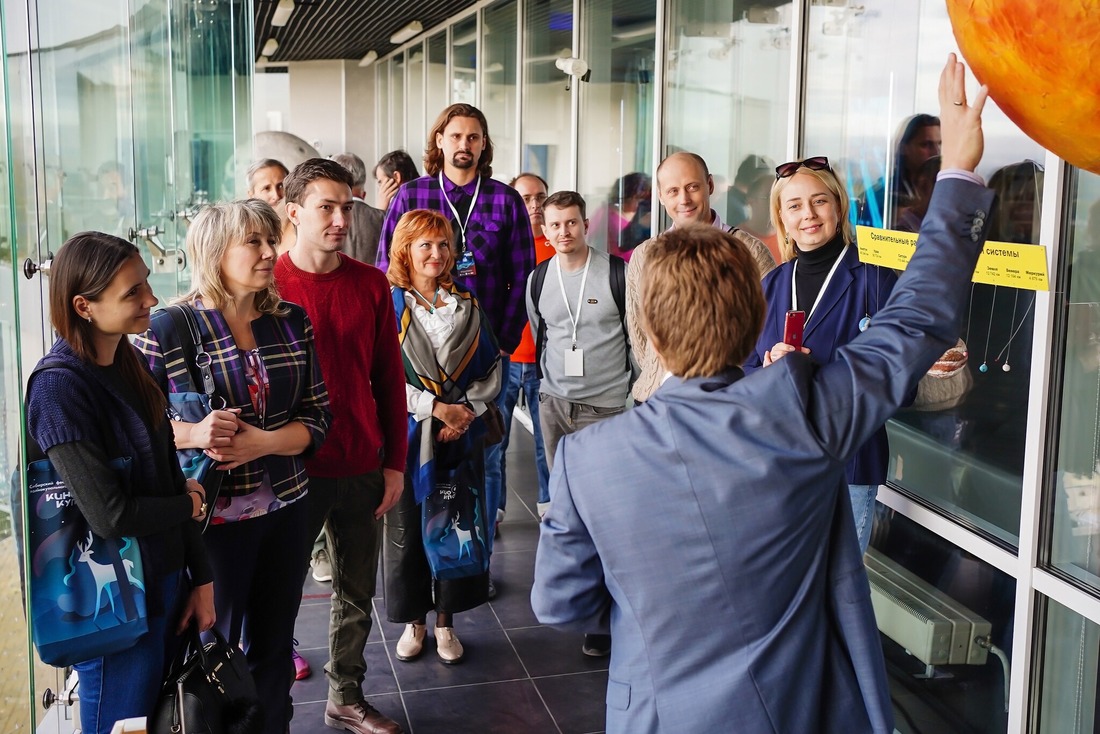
{"type": "Point", "coordinates": [1006, 367]}
{"type": "Point", "coordinates": [431, 303]}
{"type": "Point", "coordinates": [985, 358]}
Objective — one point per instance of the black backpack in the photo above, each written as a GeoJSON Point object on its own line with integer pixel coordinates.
{"type": "Point", "coordinates": [618, 292]}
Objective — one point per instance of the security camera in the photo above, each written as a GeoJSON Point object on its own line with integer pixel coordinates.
{"type": "Point", "coordinates": [573, 66]}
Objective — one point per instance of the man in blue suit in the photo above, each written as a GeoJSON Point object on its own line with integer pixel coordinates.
{"type": "Point", "coordinates": [710, 527]}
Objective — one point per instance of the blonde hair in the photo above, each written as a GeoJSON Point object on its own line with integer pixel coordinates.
{"type": "Point", "coordinates": [701, 336]}
{"type": "Point", "coordinates": [840, 199]}
{"type": "Point", "coordinates": [416, 225]}
{"type": "Point", "coordinates": [217, 227]}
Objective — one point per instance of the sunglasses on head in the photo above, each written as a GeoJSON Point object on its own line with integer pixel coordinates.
{"type": "Point", "coordinates": [817, 163]}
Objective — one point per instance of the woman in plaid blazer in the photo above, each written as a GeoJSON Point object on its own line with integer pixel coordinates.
{"type": "Point", "coordinates": [276, 412]}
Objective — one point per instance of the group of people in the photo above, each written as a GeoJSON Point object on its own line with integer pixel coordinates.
{"type": "Point", "coordinates": [355, 396]}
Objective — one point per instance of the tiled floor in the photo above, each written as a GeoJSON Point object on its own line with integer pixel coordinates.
{"type": "Point", "coordinates": [517, 676]}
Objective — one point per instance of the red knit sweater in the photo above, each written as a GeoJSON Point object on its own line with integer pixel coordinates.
{"type": "Point", "coordinates": [355, 331]}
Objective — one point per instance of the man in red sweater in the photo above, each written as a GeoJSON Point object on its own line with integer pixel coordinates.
{"type": "Point", "coordinates": [357, 474]}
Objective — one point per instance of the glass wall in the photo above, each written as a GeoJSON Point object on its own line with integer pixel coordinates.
{"type": "Point", "coordinates": [615, 158]}
{"type": "Point", "coordinates": [123, 116]}
{"type": "Point", "coordinates": [870, 99]}
{"type": "Point", "coordinates": [500, 85]}
{"type": "Point", "coordinates": [436, 95]}
{"type": "Point", "coordinates": [1070, 673]}
{"type": "Point", "coordinates": [398, 128]}
{"type": "Point", "coordinates": [1076, 491]}
{"type": "Point", "coordinates": [416, 128]}
{"type": "Point", "coordinates": [382, 95]}
{"type": "Point", "coordinates": [547, 36]}
{"type": "Point", "coordinates": [731, 63]}
{"type": "Point", "coordinates": [464, 61]}
{"type": "Point", "coordinates": [19, 670]}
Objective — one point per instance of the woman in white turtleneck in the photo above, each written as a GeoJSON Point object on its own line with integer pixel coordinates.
{"type": "Point", "coordinates": [823, 277]}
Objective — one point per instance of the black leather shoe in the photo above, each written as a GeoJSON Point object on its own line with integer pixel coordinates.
{"type": "Point", "coordinates": [596, 646]}
{"type": "Point", "coordinates": [360, 718]}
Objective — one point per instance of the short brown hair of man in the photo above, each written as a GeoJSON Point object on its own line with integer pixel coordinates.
{"type": "Point", "coordinates": [314, 169]}
{"type": "Point", "coordinates": [564, 200]}
{"type": "Point", "coordinates": [416, 225]}
{"type": "Point", "coordinates": [702, 305]}
{"type": "Point", "coordinates": [433, 155]}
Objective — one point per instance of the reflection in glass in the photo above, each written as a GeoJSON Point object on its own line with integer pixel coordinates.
{"type": "Point", "coordinates": [1071, 659]}
{"type": "Point", "coordinates": [961, 445]}
{"type": "Point", "coordinates": [731, 62]}
{"type": "Point", "coordinates": [968, 696]}
{"type": "Point", "coordinates": [616, 103]}
{"type": "Point", "coordinates": [548, 35]}
{"type": "Point", "coordinates": [1076, 537]}
{"type": "Point", "coordinates": [464, 61]}
{"type": "Point", "coordinates": [499, 84]}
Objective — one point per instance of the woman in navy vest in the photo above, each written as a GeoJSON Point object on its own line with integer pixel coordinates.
{"type": "Point", "coordinates": [90, 400]}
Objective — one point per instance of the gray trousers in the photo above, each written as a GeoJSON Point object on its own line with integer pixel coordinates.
{"type": "Point", "coordinates": [344, 508]}
{"type": "Point", "coordinates": [561, 417]}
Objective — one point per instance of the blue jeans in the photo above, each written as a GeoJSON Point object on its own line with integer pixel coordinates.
{"type": "Point", "coordinates": [125, 685]}
{"type": "Point", "coordinates": [863, 510]}
{"type": "Point", "coordinates": [496, 495]}
{"type": "Point", "coordinates": [523, 376]}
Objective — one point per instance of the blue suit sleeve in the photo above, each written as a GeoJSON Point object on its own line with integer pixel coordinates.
{"type": "Point", "coordinates": [871, 377]}
{"type": "Point", "coordinates": [569, 588]}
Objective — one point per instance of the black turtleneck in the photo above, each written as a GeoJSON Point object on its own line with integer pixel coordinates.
{"type": "Point", "coordinates": [812, 268]}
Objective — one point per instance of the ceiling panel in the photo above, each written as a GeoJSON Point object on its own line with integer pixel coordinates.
{"type": "Point", "coordinates": [345, 29]}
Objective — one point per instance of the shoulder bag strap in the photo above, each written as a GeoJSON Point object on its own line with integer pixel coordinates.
{"type": "Point", "coordinates": [194, 354]}
{"type": "Point", "coordinates": [538, 277]}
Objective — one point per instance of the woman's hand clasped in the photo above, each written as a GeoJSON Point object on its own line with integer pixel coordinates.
{"type": "Point", "coordinates": [779, 351]}
{"type": "Point", "coordinates": [216, 429]}
{"type": "Point", "coordinates": [456, 420]}
{"type": "Point", "coordinates": [247, 443]}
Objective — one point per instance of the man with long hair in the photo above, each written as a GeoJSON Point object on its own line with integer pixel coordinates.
{"type": "Point", "coordinates": [494, 249]}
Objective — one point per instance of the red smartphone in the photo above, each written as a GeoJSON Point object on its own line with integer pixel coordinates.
{"type": "Point", "coordinates": [792, 329]}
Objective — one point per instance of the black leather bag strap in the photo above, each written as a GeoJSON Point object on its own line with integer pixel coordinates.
{"type": "Point", "coordinates": [196, 357]}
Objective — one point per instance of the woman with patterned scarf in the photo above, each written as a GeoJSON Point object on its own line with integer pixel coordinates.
{"type": "Point", "coordinates": [435, 554]}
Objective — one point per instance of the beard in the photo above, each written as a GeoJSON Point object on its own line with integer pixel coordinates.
{"type": "Point", "coordinates": [467, 162]}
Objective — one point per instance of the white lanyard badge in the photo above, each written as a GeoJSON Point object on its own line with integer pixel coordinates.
{"type": "Point", "coordinates": [824, 286]}
{"type": "Point", "coordinates": [473, 202]}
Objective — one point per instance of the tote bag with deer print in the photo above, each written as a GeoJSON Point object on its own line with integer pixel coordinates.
{"type": "Point", "coordinates": [87, 592]}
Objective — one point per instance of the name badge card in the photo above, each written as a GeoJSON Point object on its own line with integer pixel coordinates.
{"type": "Point", "coordinates": [465, 266]}
{"type": "Point", "coordinates": [574, 363]}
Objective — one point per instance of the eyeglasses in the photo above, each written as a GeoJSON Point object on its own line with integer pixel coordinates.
{"type": "Point", "coordinates": [817, 163]}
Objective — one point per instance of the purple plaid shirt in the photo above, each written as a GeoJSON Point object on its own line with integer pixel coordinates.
{"type": "Point", "coordinates": [498, 233]}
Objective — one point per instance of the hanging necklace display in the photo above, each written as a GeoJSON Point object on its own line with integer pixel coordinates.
{"type": "Point", "coordinates": [988, 332]}
{"type": "Point", "coordinates": [969, 315]}
{"type": "Point", "coordinates": [1006, 367]}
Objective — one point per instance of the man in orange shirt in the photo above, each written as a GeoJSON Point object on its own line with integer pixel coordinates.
{"type": "Point", "coordinates": [522, 376]}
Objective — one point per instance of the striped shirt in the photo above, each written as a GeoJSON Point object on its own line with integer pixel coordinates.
{"type": "Point", "coordinates": [297, 392]}
{"type": "Point", "coordinates": [498, 234]}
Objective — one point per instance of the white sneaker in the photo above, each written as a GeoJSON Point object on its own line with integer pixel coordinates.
{"type": "Point", "coordinates": [412, 641]}
{"type": "Point", "coordinates": [447, 645]}
{"type": "Point", "coordinates": [322, 567]}
{"type": "Point", "coordinates": [543, 508]}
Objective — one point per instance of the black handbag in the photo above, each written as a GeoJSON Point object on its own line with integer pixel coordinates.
{"type": "Point", "coordinates": [209, 690]}
{"type": "Point", "coordinates": [194, 405]}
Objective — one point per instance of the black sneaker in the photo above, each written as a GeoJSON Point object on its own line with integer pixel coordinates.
{"type": "Point", "coordinates": [492, 588]}
{"type": "Point", "coordinates": [596, 646]}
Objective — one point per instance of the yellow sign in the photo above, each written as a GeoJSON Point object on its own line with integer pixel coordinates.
{"type": "Point", "coordinates": [1001, 263]}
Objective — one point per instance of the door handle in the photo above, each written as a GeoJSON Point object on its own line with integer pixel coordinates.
{"type": "Point", "coordinates": [164, 260]}
{"type": "Point", "coordinates": [30, 267]}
